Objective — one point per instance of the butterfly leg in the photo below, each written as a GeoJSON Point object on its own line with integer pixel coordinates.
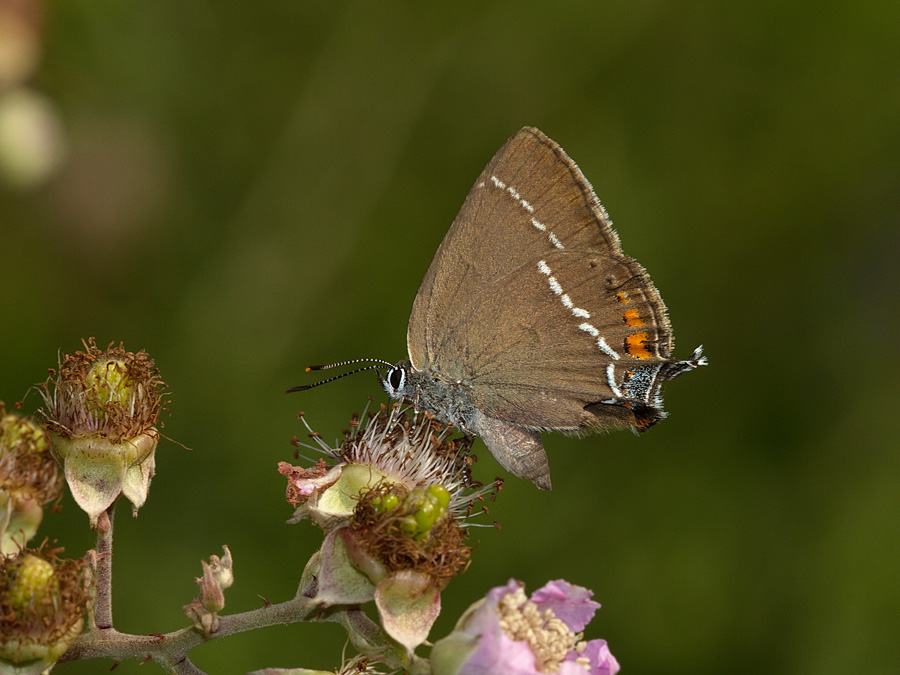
{"type": "Point", "coordinates": [518, 450]}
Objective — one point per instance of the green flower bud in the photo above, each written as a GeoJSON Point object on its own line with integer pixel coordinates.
{"type": "Point", "coordinates": [218, 574]}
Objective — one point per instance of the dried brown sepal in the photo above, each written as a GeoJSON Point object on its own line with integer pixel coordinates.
{"type": "Point", "coordinates": [297, 475]}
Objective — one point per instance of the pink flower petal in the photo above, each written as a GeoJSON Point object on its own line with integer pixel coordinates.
{"type": "Point", "coordinates": [500, 656]}
{"type": "Point", "coordinates": [601, 660]}
{"type": "Point", "coordinates": [491, 651]}
{"type": "Point", "coordinates": [571, 604]}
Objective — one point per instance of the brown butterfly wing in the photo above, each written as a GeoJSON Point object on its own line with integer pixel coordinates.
{"type": "Point", "coordinates": [531, 304]}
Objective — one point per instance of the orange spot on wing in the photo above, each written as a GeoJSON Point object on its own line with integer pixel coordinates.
{"type": "Point", "coordinates": [642, 422]}
{"type": "Point", "coordinates": [635, 345]}
{"type": "Point", "coordinates": [621, 297]}
{"type": "Point", "coordinates": [632, 318]}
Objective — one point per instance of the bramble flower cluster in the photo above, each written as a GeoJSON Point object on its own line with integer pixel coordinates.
{"type": "Point", "coordinates": [393, 505]}
{"type": "Point", "coordinates": [394, 500]}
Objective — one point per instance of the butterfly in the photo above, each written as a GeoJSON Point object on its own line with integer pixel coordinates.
{"type": "Point", "coordinates": [530, 317]}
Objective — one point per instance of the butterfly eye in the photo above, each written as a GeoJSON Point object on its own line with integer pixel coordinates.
{"type": "Point", "coordinates": [396, 377]}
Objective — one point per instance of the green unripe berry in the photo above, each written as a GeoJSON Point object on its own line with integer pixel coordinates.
{"type": "Point", "coordinates": [391, 501]}
{"type": "Point", "coordinates": [408, 526]}
{"type": "Point", "coordinates": [35, 581]}
{"type": "Point", "coordinates": [425, 516]}
{"type": "Point", "coordinates": [440, 495]}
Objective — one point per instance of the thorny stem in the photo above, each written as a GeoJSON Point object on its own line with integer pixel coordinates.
{"type": "Point", "coordinates": [170, 650]}
{"type": "Point", "coordinates": [103, 619]}
{"type": "Point", "coordinates": [186, 668]}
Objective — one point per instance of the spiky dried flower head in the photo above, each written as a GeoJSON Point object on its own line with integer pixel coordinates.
{"type": "Point", "coordinates": [25, 459]}
{"type": "Point", "coordinates": [43, 600]}
{"type": "Point", "coordinates": [394, 500]}
{"type": "Point", "coordinates": [101, 413]}
{"type": "Point", "coordinates": [109, 392]}
{"type": "Point", "coordinates": [415, 450]}
{"type": "Point", "coordinates": [402, 484]}
{"type": "Point", "coordinates": [29, 479]}
{"type": "Point", "coordinates": [412, 456]}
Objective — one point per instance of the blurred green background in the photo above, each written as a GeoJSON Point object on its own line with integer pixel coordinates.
{"type": "Point", "coordinates": [249, 188]}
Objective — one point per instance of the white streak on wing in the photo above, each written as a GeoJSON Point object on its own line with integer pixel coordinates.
{"type": "Point", "coordinates": [605, 348]}
{"type": "Point", "coordinates": [564, 298]}
{"type": "Point", "coordinates": [611, 379]}
{"type": "Point", "coordinates": [554, 240]}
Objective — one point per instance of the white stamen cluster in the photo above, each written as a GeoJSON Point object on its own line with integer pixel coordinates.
{"type": "Point", "coordinates": [412, 449]}
{"type": "Point", "coordinates": [358, 665]}
{"type": "Point", "coordinates": [549, 638]}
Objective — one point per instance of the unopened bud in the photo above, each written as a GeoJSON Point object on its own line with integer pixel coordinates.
{"type": "Point", "coordinates": [218, 574]}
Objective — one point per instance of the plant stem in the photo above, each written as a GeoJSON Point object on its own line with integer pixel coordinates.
{"type": "Point", "coordinates": [185, 667]}
{"type": "Point", "coordinates": [170, 650]}
{"type": "Point", "coordinates": [103, 618]}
